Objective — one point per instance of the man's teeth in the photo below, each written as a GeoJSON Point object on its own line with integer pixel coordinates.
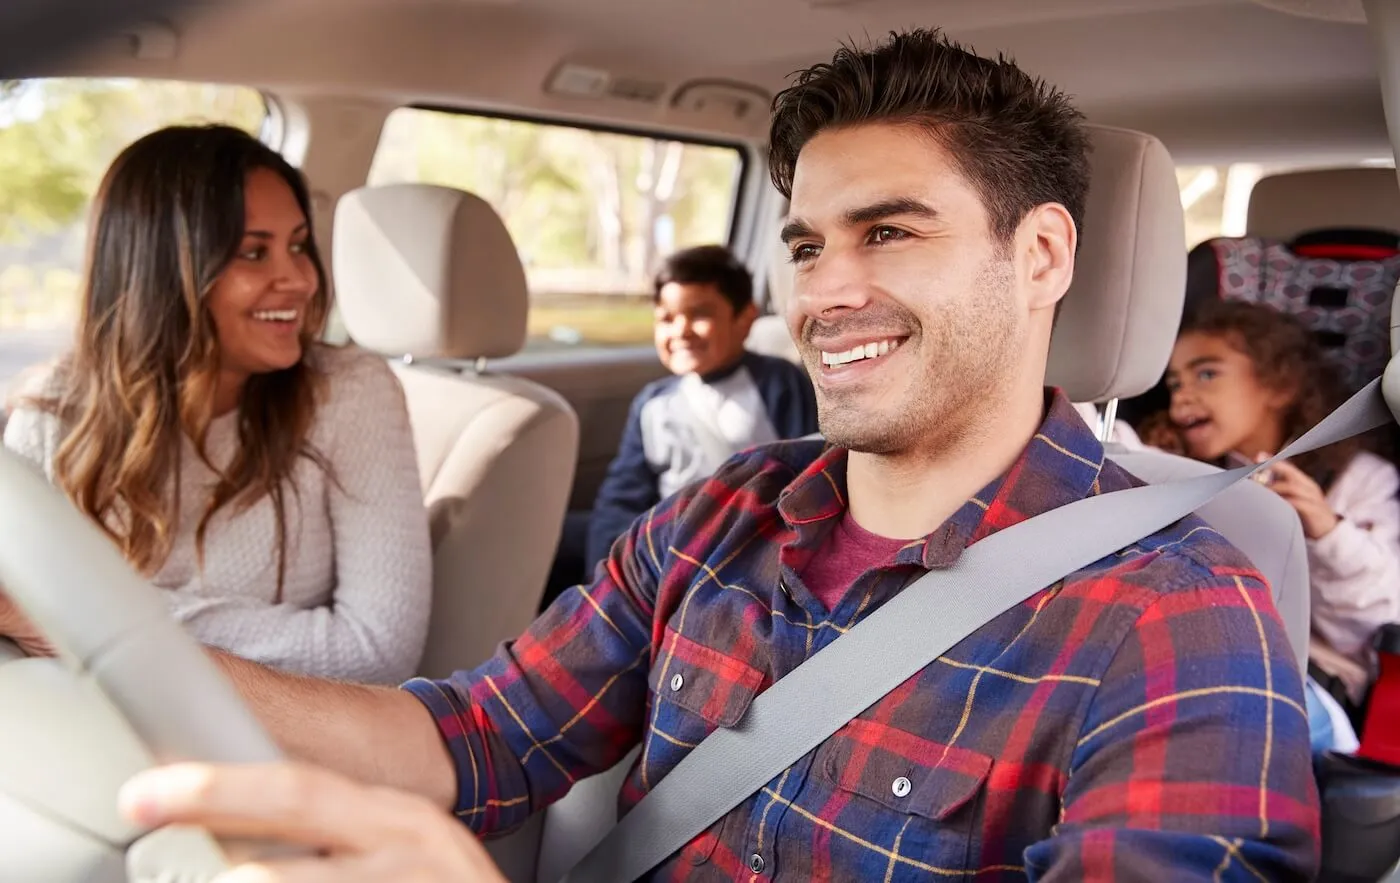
{"type": "Point", "coordinates": [275, 315]}
{"type": "Point", "coordinates": [856, 353]}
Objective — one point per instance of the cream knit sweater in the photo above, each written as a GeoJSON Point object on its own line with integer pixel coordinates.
{"type": "Point", "coordinates": [359, 563]}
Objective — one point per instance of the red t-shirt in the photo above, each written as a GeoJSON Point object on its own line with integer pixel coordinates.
{"type": "Point", "coordinates": [848, 551]}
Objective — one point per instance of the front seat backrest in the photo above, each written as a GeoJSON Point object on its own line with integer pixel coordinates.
{"type": "Point", "coordinates": [1115, 335]}
{"type": "Point", "coordinates": [430, 274]}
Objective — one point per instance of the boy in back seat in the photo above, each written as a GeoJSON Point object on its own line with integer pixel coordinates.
{"type": "Point", "coordinates": [720, 400]}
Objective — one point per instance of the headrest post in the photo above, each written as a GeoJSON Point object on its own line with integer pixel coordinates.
{"type": "Point", "coordinates": [1108, 420]}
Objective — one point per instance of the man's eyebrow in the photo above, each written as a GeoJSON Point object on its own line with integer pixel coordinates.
{"type": "Point", "coordinates": [795, 229]}
{"type": "Point", "coordinates": [888, 208]}
{"type": "Point", "coordinates": [866, 214]}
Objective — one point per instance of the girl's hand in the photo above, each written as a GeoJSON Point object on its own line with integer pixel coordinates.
{"type": "Point", "coordinates": [1305, 496]}
{"type": "Point", "coordinates": [17, 627]}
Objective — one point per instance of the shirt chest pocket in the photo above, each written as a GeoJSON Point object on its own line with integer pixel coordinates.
{"type": "Point", "coordinates": [887, 789]}
{"type": "Point", "coordinates": [695, 690]}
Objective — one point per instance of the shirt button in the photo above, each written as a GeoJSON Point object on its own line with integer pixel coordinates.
{"type": "Point", "coordinates": [756, 863]}
{"type": "Point", "coordinates": [677, 682]}
{"type": "Point", "coordinates": [901, 787]}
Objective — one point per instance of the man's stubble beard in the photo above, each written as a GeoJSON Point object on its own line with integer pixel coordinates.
{"type": "Point", "coordinates": [967, 357]}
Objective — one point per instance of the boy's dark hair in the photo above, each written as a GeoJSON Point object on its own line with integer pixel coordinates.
{"type": "Point", "coordinates": [708, 265]}
{"type": "Point", "coordinates": [1015, 138]}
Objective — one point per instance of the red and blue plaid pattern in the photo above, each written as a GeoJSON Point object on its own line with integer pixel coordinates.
{"type": "Point", "coordinates": [1143, 719]}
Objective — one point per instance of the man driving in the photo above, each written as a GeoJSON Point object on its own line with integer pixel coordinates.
{"type": "Point", "coordinates": [1141, 719]}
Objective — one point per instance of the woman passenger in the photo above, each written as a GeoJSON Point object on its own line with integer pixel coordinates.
{"type": "Point", "coordinates": [265, 481]}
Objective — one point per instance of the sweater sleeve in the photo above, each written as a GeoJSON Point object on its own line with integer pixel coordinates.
{"type": "Point", "coordinates": [30, 432]}
{"type": "Point", "coordinates": [1355, 569]}
{"type": "Point", "coordinates": [375, 626]}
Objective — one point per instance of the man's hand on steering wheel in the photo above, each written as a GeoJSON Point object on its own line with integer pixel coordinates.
{"type": "Point", "coordinates": [363, 833]}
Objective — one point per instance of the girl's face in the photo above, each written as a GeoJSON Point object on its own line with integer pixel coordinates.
{"type": "Point", "coordinates": [1219, 402]}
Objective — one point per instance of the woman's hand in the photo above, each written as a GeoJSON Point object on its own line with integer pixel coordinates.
{"type": "Point", "coordinates": [358, 833]}
{"type": "Point", "coordinates": [1304, 495]}
{"type": "Point", "coordinates": [17, 627]}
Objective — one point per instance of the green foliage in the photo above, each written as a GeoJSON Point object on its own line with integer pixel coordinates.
{"type": "Point", "coordinates": [57, 137]}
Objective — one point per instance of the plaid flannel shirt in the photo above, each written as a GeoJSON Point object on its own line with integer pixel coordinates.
{"type": "Point", "coordinates": [1142, 719]}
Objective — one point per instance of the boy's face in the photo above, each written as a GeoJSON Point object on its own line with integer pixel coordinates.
{"type": "Point", "coordinates": [697, 330]}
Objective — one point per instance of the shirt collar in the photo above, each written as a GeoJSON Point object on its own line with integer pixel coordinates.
{"type": "Point", "coordinates": [1060, 465]}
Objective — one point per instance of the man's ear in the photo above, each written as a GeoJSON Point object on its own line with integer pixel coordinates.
{"type": "Point", "coordinates": [1045, 245]}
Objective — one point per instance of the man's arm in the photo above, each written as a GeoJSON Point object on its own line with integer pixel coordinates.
{"type": "Point", "coordinates": [378, 735]}
{"type": "Point", "coordinates": [1193, 762]}
{"type": "Point", "coordinates": [565, 700]}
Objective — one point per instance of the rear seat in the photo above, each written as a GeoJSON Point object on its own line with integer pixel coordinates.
{"type": "Point", "coordinates": [1323, 245]}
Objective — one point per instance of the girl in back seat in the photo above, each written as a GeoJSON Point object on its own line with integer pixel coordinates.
{"type": "Point", "coordinates": [1245, 380]}
{"type": "Point", "coordinates": [266, 481]}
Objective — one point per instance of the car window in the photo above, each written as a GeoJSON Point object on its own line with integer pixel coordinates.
{"type": "Point", "coordinates": [57, 137]}
{"type": "Point", "coordinates": [592, 212]}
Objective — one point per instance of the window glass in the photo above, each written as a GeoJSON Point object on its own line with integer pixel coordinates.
{"type": "Point", "coordinates": [57, 137]}
{"type": "Point", "coordinates": [591, 212]}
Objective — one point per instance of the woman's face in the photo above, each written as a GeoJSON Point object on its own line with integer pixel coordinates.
{"type": "Point", "coordinates": [259, 303]}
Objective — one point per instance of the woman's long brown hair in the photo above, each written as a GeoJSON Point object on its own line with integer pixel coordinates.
{"type": "Point", "coordinates": [1286, 357]}
{"type": "Point", "coordinates": [167, 220]}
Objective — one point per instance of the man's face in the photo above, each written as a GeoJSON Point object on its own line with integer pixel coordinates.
{"type": "Point", "coordinates": [697, 329]}
{"type": "Point", "coordinates": [906, 310]}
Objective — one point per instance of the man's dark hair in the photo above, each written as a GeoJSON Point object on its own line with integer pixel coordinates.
{"type": "Point", "coordinates": [1015, 138]}
{"type": "Point", "coordinates": [708, 265]}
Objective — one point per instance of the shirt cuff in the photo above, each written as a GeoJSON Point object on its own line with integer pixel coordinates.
{"type": "Point", "coordinates": [449, 711]}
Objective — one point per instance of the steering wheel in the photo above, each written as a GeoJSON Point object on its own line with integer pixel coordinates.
{"type": "Point", "coordinates": [129, 690]}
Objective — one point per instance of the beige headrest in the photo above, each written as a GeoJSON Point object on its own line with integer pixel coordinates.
{"type": "Point", "coordinates": [1119, 320]}
{"type": "Point", "coordinates": [428, 271]}
{"type": "Point", "coordinates": [1284, 205]}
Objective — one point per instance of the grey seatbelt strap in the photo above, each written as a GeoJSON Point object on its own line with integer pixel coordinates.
{"type": "Point", "coordinates": [906, 634]}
